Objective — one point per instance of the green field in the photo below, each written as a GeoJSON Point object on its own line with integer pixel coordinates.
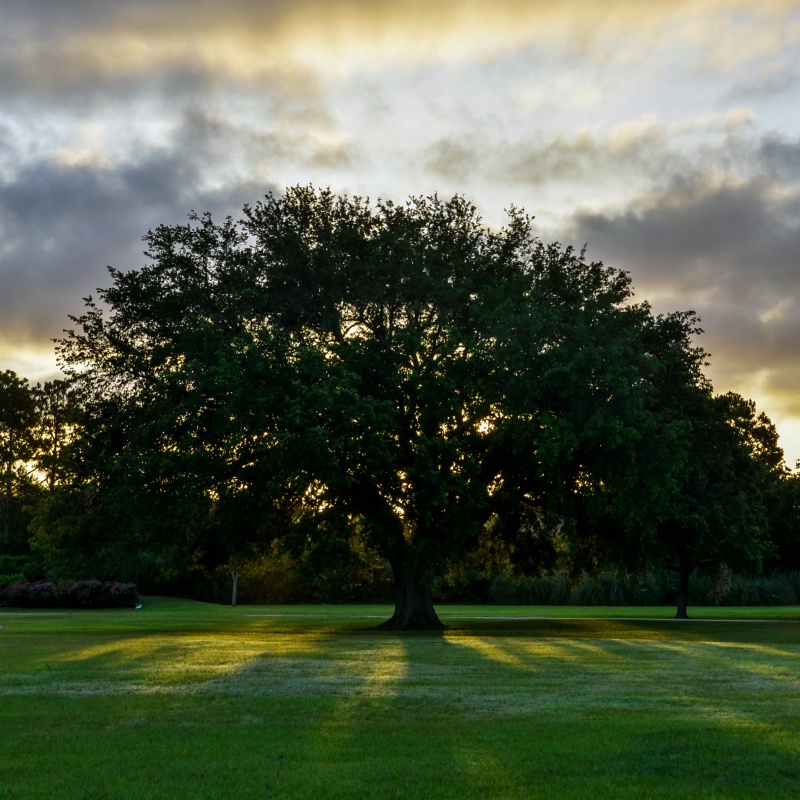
{"type": "Point", "coordinates": [190, 700]}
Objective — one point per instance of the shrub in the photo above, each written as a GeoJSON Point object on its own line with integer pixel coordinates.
{"type": "Point", "coordinates": [70, 594]}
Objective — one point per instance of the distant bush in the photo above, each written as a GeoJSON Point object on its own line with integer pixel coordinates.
{"type": "Point", "coordinates": [762, 590]}
{"type": "Point", "coordinates": [69, 594]}
{"type": "Point", "coordinates": [648, 589]}
{"type": "Point", "coordinates": [505, 590]}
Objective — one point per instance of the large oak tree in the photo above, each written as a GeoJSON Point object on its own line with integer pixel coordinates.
{"type": "Point", "coordinates": [343, 375]}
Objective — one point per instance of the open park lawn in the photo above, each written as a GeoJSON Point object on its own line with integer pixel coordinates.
{"type": "Point", "coordinates": [190, 700]}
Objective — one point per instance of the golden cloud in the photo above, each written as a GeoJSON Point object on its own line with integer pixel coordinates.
{"type": "Point", "coordinates": [246, 41]}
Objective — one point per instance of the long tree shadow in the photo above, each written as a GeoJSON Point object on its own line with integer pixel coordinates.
{"type": "Point", "coordinates": [548, 708]}
{"type": "Point", "coordinates": [492, 714]}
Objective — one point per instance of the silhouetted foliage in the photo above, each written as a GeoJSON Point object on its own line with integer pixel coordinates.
{"type": "Point", "coordinates": [18, 447]}
{"type": "Point", "coordinates": [373, 381]}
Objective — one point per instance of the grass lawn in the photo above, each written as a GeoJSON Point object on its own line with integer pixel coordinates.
{"type": "Point", "coordinates": [190, 700]}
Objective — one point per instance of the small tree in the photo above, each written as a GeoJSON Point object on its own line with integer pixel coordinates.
{"type": "Point", "coordinates": [719, 514]}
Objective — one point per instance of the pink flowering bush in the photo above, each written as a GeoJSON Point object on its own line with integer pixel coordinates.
{"type": "Point", "coordinates": [69, 594]}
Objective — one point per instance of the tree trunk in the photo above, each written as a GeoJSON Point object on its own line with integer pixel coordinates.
{"type": "Point", "coordinates": [683, 591]}
{"type": "Point", "coordinates": [413, 607]}
{"type": "Point", "coordinates": [235, 587]}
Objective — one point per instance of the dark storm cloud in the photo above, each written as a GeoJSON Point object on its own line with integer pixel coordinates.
{"type": "Point", "coordinates": [61, 224]}
{"type": "Point", "coordinates": [701, 234]}
{"type": "Point", "coordinates": [728, 250]}
{"type": "Point", "coordinates": [780, 158]}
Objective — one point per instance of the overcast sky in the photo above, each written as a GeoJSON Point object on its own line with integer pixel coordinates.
{"type": "Point", "coordinates": [663, 134]}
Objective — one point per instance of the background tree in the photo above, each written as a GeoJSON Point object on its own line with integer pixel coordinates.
{"type": "Point", "coordinates": [616, 440]}
{"type": "Point", "coordinates": [58, 412]}
{"type": "Point", "coordinates": [18, 445]}
{"type": "Point", "coordinates": [784, 517]}
{"type": "Point", "coordinates": [720, 512]}
{"type": "Point", "coordinates": [388, 378]}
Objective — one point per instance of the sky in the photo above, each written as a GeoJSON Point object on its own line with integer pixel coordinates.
{"type": "Point", "coordinates": [665, 136]}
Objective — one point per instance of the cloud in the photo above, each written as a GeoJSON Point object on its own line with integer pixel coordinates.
{"type": "Point", "coordinates": [455, 158]}
{"type": "Point", "coordinates": [730, 38]}
{"type": "Point", "coordinates": [74, 43]}
{"type": "Point", "coordinates": [780, 157]}
{"type": "Point", "coordinates": [634, 151]}
{"type": "Point", "coordinates": [636, 179]}
{"type": "Point", "coordinates": [726, 247]}
{"type": "Point", "coordinates": [64, 221]}
{"type": "Point", "coordinates": [770, 80]}
{"type": "Point", "coordinates": [637, 147]}
{"type": "Point", "coordinates": [705, 232]}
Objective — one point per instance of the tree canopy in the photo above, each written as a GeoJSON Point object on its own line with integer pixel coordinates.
{"type": "Point", "coordinates": [399, 379]}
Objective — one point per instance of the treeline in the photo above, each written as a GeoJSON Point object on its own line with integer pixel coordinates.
{"type": "Point", "coordinates": [374, 395]}
{"type": "Point", "coordinates": [40, 432]}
